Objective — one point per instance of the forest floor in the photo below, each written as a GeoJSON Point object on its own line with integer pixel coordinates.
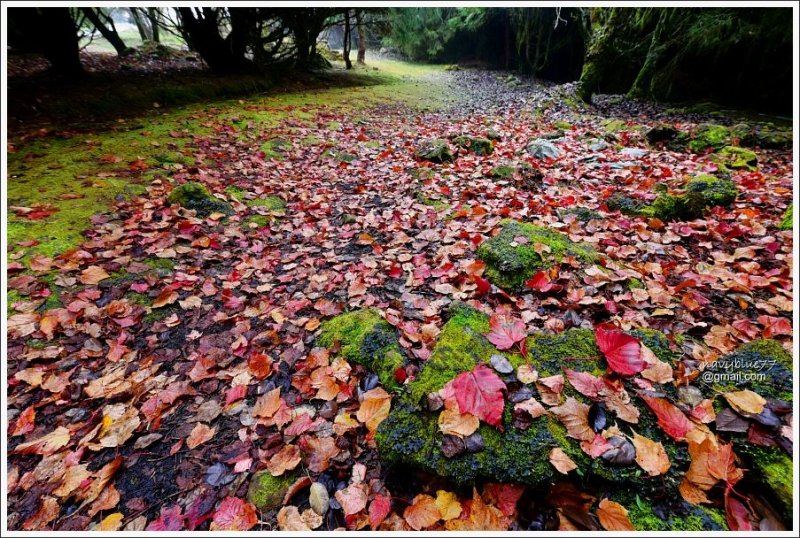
{"type": "Point", "coordinates": [143, 339]}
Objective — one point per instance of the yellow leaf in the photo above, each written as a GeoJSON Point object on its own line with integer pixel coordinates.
{"type": "Point", "coordinates": [111, 522]}
{"type": "Point", "coordinates": [746, 402]}
{"type": "Point", "coordinates": [448, 505]}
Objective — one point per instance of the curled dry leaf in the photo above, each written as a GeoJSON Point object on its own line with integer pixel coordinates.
{"type": "Point", "coordinates": [562, 462]}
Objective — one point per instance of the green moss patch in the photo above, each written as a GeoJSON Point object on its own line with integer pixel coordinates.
{"type": "Point", "coordinates": [788, 219]}
{"type": "Point", "coordinates": [709, 135]}
{"type": "Point", "coordinates": [478, 146]}
{"type": "Point", "coordinates": [436, 151]}
{"type": "Point", "coordinates": [739, 158]}
{"type": "Point", "coordinates": [267, 491]}
{"type": "Point", "coordinates": [193, 195]}
{"type": "Point", "coordinates": [510, 261]}
{"type": "Point", "coordinates": [365, 338]}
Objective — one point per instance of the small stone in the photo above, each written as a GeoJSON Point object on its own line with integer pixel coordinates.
{"type": "Point", "coordinates": [634, 153]}
{"type": "Point", "coordinates": [318, 498]}
{"type": "Point", "coordinates": [543, 149]}
{"type": "Point", "coordinates": [435, 401]}
{"type": "Point", "coordinates": [452, 446]}
{"type": "Point", "coordinates": [501, 364]}
{"type": "Point", "coordinates": [524, 393]}
{"type": "Point", "coordinates": [474, 443]}
{"type": "Point", "coordinates": [690, 395]}
{"type": "Point", "coordinates": [622, 453]}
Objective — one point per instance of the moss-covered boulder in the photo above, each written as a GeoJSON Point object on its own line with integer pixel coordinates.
{"type": "Point", "coordinates": [365, 338]}
{"type": "Point", "coordinates": [516, 452]}
{"type": "Point", "coordinates": [738, 158]}
{"type": "Point", "coordinates": [666, 135]}
{"type": "Point", "coordinates": [669, 514]}
{"type": "Point", "coordinates": [709, 135]}
{"type": "Point", "coordinates": [582, 214]}
{"type": "Point", "coordinates": [478, 146]}
{"type": "Point", "coordinates": [266, 491]}
{"type": "Point", "coordinates": [435, 150]}
{"type": "Point", "coordinates": [502, 171]}
{"type": "Point", "coordinates": [193, 195]}
{"type": "Point", "coordinates": [788, 218]}
{"type": "Point", "coordinates": [700, 193]}
{"type": "Point", "coordinates": [764, 367]}
{"type": "Point", "coordinates": [512, 256]}
{"type": "Point", "coordinates": [764, 135]}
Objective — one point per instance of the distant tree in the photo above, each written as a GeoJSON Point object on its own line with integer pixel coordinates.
{"type": "Point", "coordinates": [346, 40]}
{"type": "Point", "coordinates": [103, 22]}
{"type": "Point", "coordinates": [139, 16]}
{"type": "Point", "coordinates": [49, 31]}
{"type": "Point", "coordinates": [362, 37]}
{"type": "Point", "coordinates": [153, 15]}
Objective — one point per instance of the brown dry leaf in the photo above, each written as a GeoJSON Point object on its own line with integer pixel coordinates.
{"type": "Point", "coordinates": [47, 444]}
{"type": "Point", "coordinates": [108, 499]}
{"type": "Point", "coordinates": [168, 296]}
{"type": "Point", "coordinates": [287, 459]}
{"type": "Point", "coordinates": [93, 275]}
{"type": "Point", "coordinates": [290, 519]}
{"type": "Point", "coordinates": [353, 498]}
{"type": "Point", "coordinates": [452, 422]}
{"type": "Point", "coordinates": [482, 517]}
{"type": "Point", "coordinates": [46, 513]}
{"type": "Point", "coordinates": [320, 452]}
{"type": "Point", "coordinates": [562, 462]}
{"type": "Point", "coordinates": [650, 455]}
{"type": "Point", "coordinates": [448, 505]}
{"type": "Point", "coordinates": [324, 382]}
{"type": "Point", "coordinates": [374, 408]}
{"type": "Point", "coordinates": [574, 415]}
{"type": "Point", "coordinates": [200, 434]}
{"type": "Point", "coordinates": [74, 476]}
{"type": "Point", "coordinates": [422, 513]}
{"type": "Point", "coordinates": [691, 493]}
{"type": "Point", "coordinates": [532, 407]}
{"type": "Point", "coordinates": [746, 402]}
{"type": "Point", "coordinates": [613, 516]}
{"type": "Point", "coordinates": [657, 370]}
{"type": "Point", "coordinates": [268, 404]}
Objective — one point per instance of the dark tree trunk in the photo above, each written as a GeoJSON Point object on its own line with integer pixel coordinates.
{"type": "Point", "coordinates": [153, 15]}
{"type": "Point", "coordinates": [362, 38]}
{"type": "Point", "coordinates": [200, 27]}
{"type": "Point", "coordinates": [346, 45]}
{"type": "Point", "coordinates": [141, 25]}
{"type": "Point", "coordinates": [49, 31]}
{"type": "Point", "coordinates": [109, 32]}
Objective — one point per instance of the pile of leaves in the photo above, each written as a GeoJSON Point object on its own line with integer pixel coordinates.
{"type": "Point", "coordinates": [154, 370]}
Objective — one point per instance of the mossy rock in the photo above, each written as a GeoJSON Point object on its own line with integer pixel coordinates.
{"type": "Point", "coordinates": [762, 135]}
{"type": "Point", "coordinates": [709, 135]}
{"type": "Point", "coordinates": [478, 146]}
{"type": "Point", "coordinates": [193, 195]}
{"type": "Point", "coordinates": [502, 171]}
{"type": "Point", "coordinates": [410, 435]}
{"type": "Point", "coordinates": [672, 514]}
{"type": "Point", "coordinates": [266, 491]}
{"type": "Point", "coordinates": [700, 193]}
{"type": "Point", "coordinates": [788, 219]}
{"type": "Point", "coordinates": [582, 214]}
{"type": "Point", "coordinates": [510, 263]}
{"type": "Point", "coordinates": [662, 134]}
{"type": "Point", "coordinates": [564, 125]}
{"type": "Point", "coordinates": [614, 126]}
{"type": "Point", "coordinates": [436, 150]}
{"type": "Point", "coordinates": [766, 368]}
{"type": "Point", "coordinates": [739, 158]}
{"type": "Point", "coordinates": [493, 134]}
{"type": "Point", "coordinates": [367, 339]}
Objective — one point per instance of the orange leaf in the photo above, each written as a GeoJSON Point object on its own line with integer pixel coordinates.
{"type": "Point", "coordinates": [374, 408]}
{"type": "Point", "coordinates": [613, 516]}
{"type": "Point", "coordinates": [287, 459]}
{"type": "Point", "coordinates": [650, 455]}
{"type": "Point", "coordinates": [422, 513]}
{"type": "Point", "coordinates": [93, 275]}
{"type": "Point", "coordinates": [200, 434]}
{"type": "Point", "coordinates": [562, 462]}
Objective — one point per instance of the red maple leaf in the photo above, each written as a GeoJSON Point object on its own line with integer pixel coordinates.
{"type": "Point", "coordinates": [480, 393]}
{"type": "Point", "coordinates": [505, 331]}
{"type": "Point", "coordinates": [622, 351]}
{"type": "Point", "coordinates": [670, 418]}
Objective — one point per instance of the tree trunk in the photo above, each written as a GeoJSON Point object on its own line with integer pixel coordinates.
{"type": "Point", "coordinates": [141, 25]}
{"type": "Point", "coordinates": [200, 26]}
{"type": "Point", "coordinates": [362, 38]}
{"type": "Point", "coordinates": [109, 33]}
{"type": "Point", "coordinates": [346, 45]}
{"type": "Point", "coordinates": [49, 31]}
{"type": "Point", "coordinates": [153, 15]}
